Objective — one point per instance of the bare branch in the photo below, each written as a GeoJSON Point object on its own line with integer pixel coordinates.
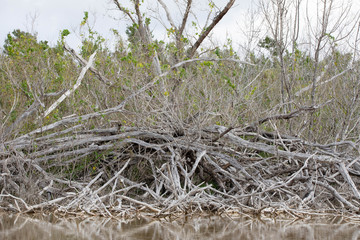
{"type": "Point", "coordinates": [208, 29]}
{"type": "Point", "coordinates": [318, 83]}
{"type": "Point", "coordinates": [30, 111]}
{"type": "Point", "coordinates": [70, 91]}
{"type": "Point", "coordinates": [168, 15]}
{"type": "Point", "coordinates": [84, 63]}
{"type": "Point", "coordinates": [127, 12]}
{"type": "Point", "coordinates": [185, 17]}
{"type": "Point", "coordinates": [344, 172]}
{"type": "Point", "coordinates": [336, 194]}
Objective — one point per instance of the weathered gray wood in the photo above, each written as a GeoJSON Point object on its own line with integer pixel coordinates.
{"type": "Point", "coordinates": [186, 171]}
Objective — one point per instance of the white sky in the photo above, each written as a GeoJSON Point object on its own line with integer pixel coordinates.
{"type": "Point", "coordinates": [52, 16]}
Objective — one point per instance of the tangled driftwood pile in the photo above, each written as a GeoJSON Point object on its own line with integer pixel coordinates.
{"type": "Point", "coordinates": [215, 168]}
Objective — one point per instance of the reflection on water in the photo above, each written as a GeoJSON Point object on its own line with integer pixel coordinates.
{"type": "Point", "coordinates": [52, 228]}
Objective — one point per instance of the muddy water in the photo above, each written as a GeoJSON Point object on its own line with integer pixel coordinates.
{"type": "Point", "coordinates": [52, 228]}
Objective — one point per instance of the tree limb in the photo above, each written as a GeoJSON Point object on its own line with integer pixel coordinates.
{"type": "Point", "coordinates": [70, 91]}
{"type": "Point", "coordinates": [210, 28]}
{"type": "Point", "coordinates": [124, 10]}
{"type": "Point", "coordinates": [84, 63]}
{"type": "Point", "coordinates": [168, 15]}
{"type": "Point", "coordinates": [186, 15]}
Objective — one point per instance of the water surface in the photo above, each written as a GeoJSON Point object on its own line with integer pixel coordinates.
{"type": "Point", "coordinates": [214, 227]}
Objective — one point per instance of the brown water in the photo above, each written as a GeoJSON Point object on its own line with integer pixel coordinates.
{"type": "Point", "coordinates": [224, 228]}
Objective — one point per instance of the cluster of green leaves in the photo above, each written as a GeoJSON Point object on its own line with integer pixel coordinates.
{"type": "Point", "coordinates": [31, 69]}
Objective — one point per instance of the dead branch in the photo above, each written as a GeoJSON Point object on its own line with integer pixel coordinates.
{"type": "Point", "coordinates": [83, 62]}
{"type": "Point", "coordinates": [209, 28]}
{"type": "Point", "coordinates": [70, 91]}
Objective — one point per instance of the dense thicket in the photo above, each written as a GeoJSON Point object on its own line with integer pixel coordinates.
{"type": "Point", "coordinates": [170, 127]}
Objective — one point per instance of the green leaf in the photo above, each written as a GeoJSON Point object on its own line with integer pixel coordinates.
{"type": "Point", "coordinates": [85, 18]}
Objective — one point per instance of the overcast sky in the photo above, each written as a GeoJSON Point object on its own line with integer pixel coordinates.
{"type": "Point", "coordinates": [49, 17]}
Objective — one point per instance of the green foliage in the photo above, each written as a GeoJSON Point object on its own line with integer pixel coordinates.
{"type": "Point", "coordinates": [20, 44]}
{"type": "Point", "coordinates": [217, 52]}
{"type": "Point", "coordinates": [64, 33]}
{"type": "Point", "coordinates": [86, 17]}
{"type": "Point", "coordinates": [133, 35]}
{"type": "Point", "coordinates": [269, 44]}
{"type": "Point", "coordinates": [33, 69]}
{"type": "Point", "coordinates": [231, 92]}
